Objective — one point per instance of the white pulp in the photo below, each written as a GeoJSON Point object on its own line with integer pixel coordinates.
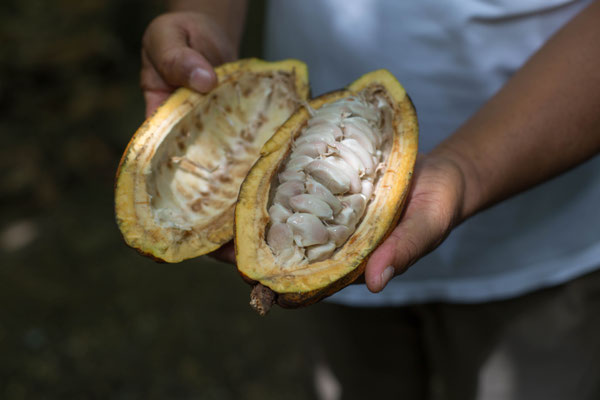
{"type": "Point", "coordinates": [327, 181]}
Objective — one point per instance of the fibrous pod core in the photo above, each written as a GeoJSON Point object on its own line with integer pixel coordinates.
{"type": "Point", "coordinates": [334, 186]}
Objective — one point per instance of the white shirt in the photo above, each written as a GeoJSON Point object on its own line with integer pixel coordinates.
{"type": "Point", "coordinates": [452, 55]}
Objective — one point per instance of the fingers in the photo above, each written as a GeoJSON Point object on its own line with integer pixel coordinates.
{"type": "Point", "coordinates": [412, 238]}
{"type": "Point", "coordinates": [169, 61]}
{"type": "Point", "coordinates": [225, 253]}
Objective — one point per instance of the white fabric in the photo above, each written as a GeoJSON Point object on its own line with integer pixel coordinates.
{"type": "Point", "coordinates": [452, 55]}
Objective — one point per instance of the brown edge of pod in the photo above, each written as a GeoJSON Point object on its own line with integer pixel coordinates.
{"type": "Point", "coordinates": [262, 297]}
{"type": "Point", "coordinates": [180, 97]}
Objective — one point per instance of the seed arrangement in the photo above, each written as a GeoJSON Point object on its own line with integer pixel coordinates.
{"type": "Point", "coordinates": [327, 181]}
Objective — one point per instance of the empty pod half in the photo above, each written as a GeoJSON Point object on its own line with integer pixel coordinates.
{"type": "Point", "coordinates": [178, 180]}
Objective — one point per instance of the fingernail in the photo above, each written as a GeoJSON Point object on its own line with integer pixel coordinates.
{"type": "Point", "coordinates": [386, 275]}
{"type": "Point", "coordinates": [200, 80]}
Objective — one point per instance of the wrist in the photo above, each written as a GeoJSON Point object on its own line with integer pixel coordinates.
{"type": "Point", "coordinates": [463, 177]}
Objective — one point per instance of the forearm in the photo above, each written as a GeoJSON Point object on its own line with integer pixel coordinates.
{"type": "Point", "coordinates": [229, 14]}
{"type": "Point", "coordinates": [545, 120]}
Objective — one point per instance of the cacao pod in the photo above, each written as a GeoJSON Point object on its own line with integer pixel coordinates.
{"type": "Point", "coordinates": [178, 179]}
{"type": "Point", "coordinates": [328, 188]}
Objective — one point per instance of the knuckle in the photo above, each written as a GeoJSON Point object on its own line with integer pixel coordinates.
{"type": "Point", "coordinates": [407, 249]}
{"type": "Point", "coordinates": [154, 25]}
{"type": "Point", "coordinates": [169, 63]}
{"type": "Point", "coordinates": [412, 250]}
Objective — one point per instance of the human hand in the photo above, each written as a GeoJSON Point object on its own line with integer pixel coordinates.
{"type": "Point", "coordinates": [543, 121]}
{"type": "Point", "coordinates": [181, 49]}
{"type": "Point", "coordinates": [433, 207]}
{"type": "Point", "coordinates": [225, 253]}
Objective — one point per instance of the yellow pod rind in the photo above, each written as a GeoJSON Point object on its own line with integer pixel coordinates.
{"type": "Point", "coordinates": [133, 199]}
{"type": "Point", "coordinates": [304, 285]}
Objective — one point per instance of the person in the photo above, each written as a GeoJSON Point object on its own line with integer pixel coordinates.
{"type": "Point", "coordinates": [505, 189]}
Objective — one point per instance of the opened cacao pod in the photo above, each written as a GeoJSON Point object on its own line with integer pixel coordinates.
{"type": "Point", "coordinates": [179, 177]}
{"type": "Point", "coordinates": [328, 188]}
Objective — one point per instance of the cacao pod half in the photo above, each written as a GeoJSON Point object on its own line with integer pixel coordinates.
{"type": "Point", "coordinates": [179, 177]}
{"type": "Point", "coordinates": [328, 188]}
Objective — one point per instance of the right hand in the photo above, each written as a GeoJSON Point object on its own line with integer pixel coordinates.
{"type": "Point", "coordinates": [181, 49]}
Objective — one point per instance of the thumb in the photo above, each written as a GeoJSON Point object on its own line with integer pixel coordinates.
{"type": "Point", "coordinates": [183, 66]}
{"type": "Point", "coordinates": [412, 238]}
{"type": "Point", "coordinates": [169, 61]}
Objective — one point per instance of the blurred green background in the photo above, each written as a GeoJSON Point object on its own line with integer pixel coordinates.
{"type": "Point", "coordinates": [81, 315]}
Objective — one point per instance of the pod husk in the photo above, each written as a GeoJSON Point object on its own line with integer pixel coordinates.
{"type": "Point", "coordinates": [165, 139]}
{"type": "Point", "coordinates": [305, 285]}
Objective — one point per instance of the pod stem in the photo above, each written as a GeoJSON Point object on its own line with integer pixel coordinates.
{"type": "Point", "coordinates": [262, 299]}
